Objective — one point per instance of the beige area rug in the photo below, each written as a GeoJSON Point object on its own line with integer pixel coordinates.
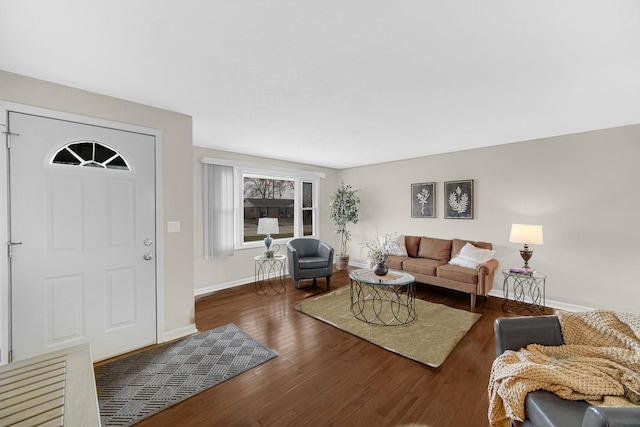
{"type": "Point", "coordinates": [429, 339]}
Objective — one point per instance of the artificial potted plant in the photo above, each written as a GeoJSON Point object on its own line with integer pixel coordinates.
{"type": "Point", "coordinates": [343, 209]}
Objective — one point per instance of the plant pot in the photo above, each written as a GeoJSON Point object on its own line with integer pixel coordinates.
{"type": "Point", "coordinates": [342, 262]}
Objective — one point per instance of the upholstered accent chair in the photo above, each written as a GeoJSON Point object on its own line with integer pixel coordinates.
{"type": "Point", "coordinates": [309, 258]}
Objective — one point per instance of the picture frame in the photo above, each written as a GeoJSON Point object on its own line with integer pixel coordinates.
{"type": "Point", "coordinates": [423, 200]}
{"type": "Point", "coordinates": [459, 199]}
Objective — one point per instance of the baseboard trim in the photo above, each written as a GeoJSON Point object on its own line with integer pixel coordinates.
{"type": "Point", "coordinates": [359, 264]}
{"type": "Point", "coordinates": [179, 333]}
{"type": "Point", "coordinates": [548, 303]}
{"type": "Point", "coordinates": [494, 292]}
{"type": "Point", "coordinates": [199, 292]}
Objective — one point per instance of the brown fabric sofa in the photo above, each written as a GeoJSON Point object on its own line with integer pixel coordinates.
{"type": "Point", "coordinates": [428, 259]}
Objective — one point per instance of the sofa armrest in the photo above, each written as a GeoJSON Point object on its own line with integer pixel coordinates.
{"type": "Point", "coordinates": [488, 267]}
{"type": "Point", "coordinates": [485, 276]}
{"type": "Point", "coordinates": [513, 333]}
{"type": "Point", "coordinates": [611, 416]}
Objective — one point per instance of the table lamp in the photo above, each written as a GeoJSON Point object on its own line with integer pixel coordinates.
{"type": "Point", "coordinates": [268, 226]}
{"type": "Point", "coordinates": [526, 234]}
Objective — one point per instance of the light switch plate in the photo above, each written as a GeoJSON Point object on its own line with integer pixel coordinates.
{"type": "Point", "coordinates": [173, 226]}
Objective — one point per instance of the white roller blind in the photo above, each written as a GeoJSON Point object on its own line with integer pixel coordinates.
{"type": "Point", "coordinates": [218, 210]}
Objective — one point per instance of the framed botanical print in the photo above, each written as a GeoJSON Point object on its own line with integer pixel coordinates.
{"type": "Point", "coordinates": [458, 199]}
{"type": "Point", "coordinates": [423, 200]}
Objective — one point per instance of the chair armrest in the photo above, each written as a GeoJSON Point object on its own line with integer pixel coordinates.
{"type": "Point", "coordinates": [325, 251]}
{"type": "Point", "coordinates": [513, 333]}
{"type": "Point", "coordinates": [611, 416]}
{"type": "Point", "coordinates": [292, 260]}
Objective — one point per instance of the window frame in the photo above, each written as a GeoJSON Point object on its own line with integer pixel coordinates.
{"type": "Point", "coordinates": [83, 162]}
{"type": "Point", "coordinates": [271, 172]}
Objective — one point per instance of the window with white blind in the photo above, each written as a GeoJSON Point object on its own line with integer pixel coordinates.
{"type": "Point", "coordinates": [289, 195]}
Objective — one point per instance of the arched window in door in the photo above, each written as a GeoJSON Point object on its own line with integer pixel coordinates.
{"type": "Point", "coordinates": [91, 154]}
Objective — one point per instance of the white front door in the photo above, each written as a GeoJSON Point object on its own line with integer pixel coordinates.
{"type": "Point", "coordinates": [82, 224]}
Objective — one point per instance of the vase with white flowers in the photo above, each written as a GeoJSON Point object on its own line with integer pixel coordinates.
{"type": "Point", "coordinates": [378, 250]}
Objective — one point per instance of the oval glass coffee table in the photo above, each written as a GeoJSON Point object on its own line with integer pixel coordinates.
{"type": "Point", "coordinates": [387, 300]}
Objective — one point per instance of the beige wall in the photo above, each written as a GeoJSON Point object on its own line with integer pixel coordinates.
{"type": "Point", "coordinates": [177, 195]}
{"type": "Point", "coordinates": [224, 272]}
{"type": "Point", "coordinates": [582, 188]}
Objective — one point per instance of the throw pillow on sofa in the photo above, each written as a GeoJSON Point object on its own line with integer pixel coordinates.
{"type": "Point", "coordinates": [396, 243]}
{"type": "Point", "coordinates": [471, 256]}
{"type": "Point", "coordinates": [432, 248]}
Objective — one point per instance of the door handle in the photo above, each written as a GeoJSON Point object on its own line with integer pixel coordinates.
{"type": "Point", "coordinates": [148, 256]}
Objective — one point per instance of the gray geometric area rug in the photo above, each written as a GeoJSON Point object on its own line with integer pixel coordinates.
{"type": "Point", "coordinates": [140, 385]}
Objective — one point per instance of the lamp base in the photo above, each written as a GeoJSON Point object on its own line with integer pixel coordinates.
{"type": "Point", "coordinates": [526, 255]}
{"type": "Point", "coordinates": [267, 241]}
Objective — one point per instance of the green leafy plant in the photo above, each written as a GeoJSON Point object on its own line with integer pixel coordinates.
{"type": "Point", "coordinates": [343, 209]}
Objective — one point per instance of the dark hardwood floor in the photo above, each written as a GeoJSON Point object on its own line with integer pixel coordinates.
{"type": "Point", "coordinates": [327, 377]}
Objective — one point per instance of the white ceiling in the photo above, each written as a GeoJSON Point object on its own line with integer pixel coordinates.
{"type": "Point", "coordinates": [342, 83]}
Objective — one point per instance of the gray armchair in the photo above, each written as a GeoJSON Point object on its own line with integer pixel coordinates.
{"type": "Point", "coordinates": [543, 408]}
{"type": "Point", "coordinates": [309, 259]}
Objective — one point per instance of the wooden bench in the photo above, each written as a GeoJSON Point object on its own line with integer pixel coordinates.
{"type": "Point", "coordinates": [54, 389]}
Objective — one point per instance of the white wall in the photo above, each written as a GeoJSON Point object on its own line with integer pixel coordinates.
{"type": "Point", "coordinates": [177, 194]}
{"type": "Point", "coordinates": [582, 188]}
{"type": "Point", "coordinates": [224, 272]}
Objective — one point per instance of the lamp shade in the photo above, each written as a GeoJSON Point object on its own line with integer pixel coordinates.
{"type": "Point", "coordinates": [526, 233]}
{"type": "Point", "coordinates": [268, 226]}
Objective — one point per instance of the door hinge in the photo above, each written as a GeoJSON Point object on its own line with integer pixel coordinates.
{"type": "Point", "coordinates": [10, 246]}
{"type": "Point", "coordinates": [9, 135]}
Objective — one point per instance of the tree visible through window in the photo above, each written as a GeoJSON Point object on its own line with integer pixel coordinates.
{"type": "Point", "coordinates": [290, 195]}
{"type": "Point", "coordinates": [268, 197]}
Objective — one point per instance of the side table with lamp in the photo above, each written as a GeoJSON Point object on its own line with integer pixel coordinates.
{"type": "Point", "coordinates": [528, 285]}
{"type": "Point", "coordinates": [270, 274]}
{"type": "Point", "coordinates": [270, 266]}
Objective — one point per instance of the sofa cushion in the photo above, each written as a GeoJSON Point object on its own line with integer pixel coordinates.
{"type": "Point", "coordinates": [459, 274]}
{"type": "Point", "coordinates": [471, 256]}
{"type": "Point", "coordinates": [545, 409]}
{"type": "Point", "coordinates": [422, 266]}
{"type": "Point", "coordinates": [433, 248]}
{"type": "Point", "coordinates": [395, 262]}
{"type": "Point", "coordinates": [458, 244]}
{"type": "Point", "coordinates": [412, 243]}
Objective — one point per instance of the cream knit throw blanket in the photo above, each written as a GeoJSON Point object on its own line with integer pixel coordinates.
{"type": "Point", "coordinates": [599, 362]}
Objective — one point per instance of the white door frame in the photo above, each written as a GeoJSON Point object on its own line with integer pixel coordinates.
{"type": "Point", "coordinates": [5, 306]}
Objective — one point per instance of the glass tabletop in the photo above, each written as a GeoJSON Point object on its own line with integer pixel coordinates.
{"type": "Point", "coordinates": [278, 257]}
{"type": "Point", "coordinates": [393, 277]}
{"type": "Point", "coordinates": [532, 274]}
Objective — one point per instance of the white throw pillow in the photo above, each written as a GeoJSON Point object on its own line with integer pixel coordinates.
{"type": "Point", "coordinates": [397, 245]}
{"type": "Point", "coordinates": [471, 257]}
